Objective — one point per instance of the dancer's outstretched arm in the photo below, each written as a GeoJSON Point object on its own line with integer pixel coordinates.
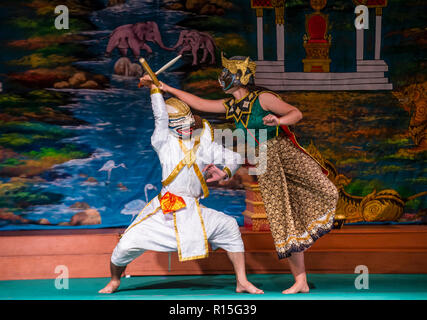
{"type": "Point", "coordinates": [161, 118]}
{"type": "Point", "coordinates": [195, 102]}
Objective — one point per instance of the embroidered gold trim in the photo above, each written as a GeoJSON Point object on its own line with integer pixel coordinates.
{"type": "Point", "coordinates": [155, 90]}
{"type": "Point", "coordinates": [183, 162]}
{"type": "Point", "coordinates": [202, 180]}
{"type": "Point", "coordinates": [204, 236]}
{"type": "Point", "coordinates": [243, 98]}
{"type": "Point", "coordinates": [174, 173]}
{"type": "Point", "coordinates": [147, 216]}
{"type": "Point", "coordinates": [210, 127]}
{"type": "Point", "coordinates": [252, 96]}
{"type": "Point", "coordinates": [195, 166]}
{"type": "Point", "coordinates": [203, 227]}
{"type": "Point", "coordinates": [190, 160]}
{"type": "Point", "coordinates": [140, 213]}
{"type": "Point", "coordinates": [178, 243]}
{"type": "Point", "coordinates": [228, 172]}
{"type": "Point", "coordinates": [310, 227]}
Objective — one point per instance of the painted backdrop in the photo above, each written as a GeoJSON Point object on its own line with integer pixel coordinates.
{"type": "Point", "coordinates": [75, 129]}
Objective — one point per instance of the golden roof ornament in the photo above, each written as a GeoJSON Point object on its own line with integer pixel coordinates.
{"type": "Point", "coordinates": [318, 5]}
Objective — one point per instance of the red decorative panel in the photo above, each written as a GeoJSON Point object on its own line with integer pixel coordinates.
{"type": "Point", "coordinates": [316, 28]}
{"type": "Point", "coordinates": [261, 4]}
{"type": "Point", "coordinates": [371, 3]}
{"type": "Point", "coordinates": [316, 69]}
{"type": "Point", "coordinates": [376, 3]}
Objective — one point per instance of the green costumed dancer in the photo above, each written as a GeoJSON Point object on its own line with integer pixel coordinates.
{"type": "Point", "coordinates": [299, 198]}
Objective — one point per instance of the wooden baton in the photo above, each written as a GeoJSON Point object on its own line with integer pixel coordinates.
{"type": "Point", "coordinates": [149, 72]}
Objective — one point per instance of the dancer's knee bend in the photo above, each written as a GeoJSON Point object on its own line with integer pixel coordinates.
{"type": "Point", "coordinates": [232, 223]}
{"type": "Point", "coordinates": [232, 227]}
{"type": "Point", "coordinates": [230, 238]}
{"type": "Point", "coordinates": [124, 253]}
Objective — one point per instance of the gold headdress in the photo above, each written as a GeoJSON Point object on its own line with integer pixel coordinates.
{"type": "Point", "coordinates": [233, 65]}
{"type": "Point", "coordinates": [178, 108]}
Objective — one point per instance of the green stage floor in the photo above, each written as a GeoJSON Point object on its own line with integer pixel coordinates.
{"type": "Point", "coordinates": [221, 287]}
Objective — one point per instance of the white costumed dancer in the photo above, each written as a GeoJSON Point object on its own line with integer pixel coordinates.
{"type": "Point", "coordinates": [174, 220]}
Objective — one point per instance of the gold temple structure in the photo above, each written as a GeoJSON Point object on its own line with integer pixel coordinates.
{"type": "Point", "coordinates": [317, 41]}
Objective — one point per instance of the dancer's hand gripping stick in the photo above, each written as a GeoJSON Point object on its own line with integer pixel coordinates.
{"type": "Point", "coordinates": [149, 72]}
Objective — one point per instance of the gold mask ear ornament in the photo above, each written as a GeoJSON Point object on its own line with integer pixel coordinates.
{"type": "Point", "coordinates": [234, 65]}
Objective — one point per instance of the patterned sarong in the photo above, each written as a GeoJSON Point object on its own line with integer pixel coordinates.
{"type": "Point", "coordinates": [299, 199]}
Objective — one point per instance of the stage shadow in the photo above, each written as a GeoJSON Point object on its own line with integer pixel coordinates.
{"type": "Point", "coordinates": [201, 284]}
{"type": "Point", "coordinates": [192, 284]}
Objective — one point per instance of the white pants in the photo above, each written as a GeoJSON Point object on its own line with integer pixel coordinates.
{"type": "Point", "coordinates": [154, 233]}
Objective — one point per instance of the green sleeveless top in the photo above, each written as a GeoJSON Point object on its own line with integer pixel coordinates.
{"type": "Point", "coordinates": [248, 114]}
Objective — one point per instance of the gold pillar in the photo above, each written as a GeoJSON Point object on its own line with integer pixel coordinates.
{"type": "Point", "coordinates": [279, 10]}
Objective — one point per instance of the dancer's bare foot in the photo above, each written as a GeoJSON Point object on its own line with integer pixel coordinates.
{"type": "Point", "coordinates": [111, 287]}
{"type": "Point", "coordinates": [298, 287]}
{"type": "Point", "coordinates": [247, 287]}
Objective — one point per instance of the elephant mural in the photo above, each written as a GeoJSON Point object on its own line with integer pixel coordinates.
{"type": "Point", "coordinates": [135, 36]}
{"type": "Point", "coordinates": [193, 40]}
{"type": "Point", "coordinates": [149, 31]}
{"type": "Point", "coordinates": [124, 67]}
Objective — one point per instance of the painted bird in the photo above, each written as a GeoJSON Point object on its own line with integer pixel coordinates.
{"type": "Point", "coordinates": [109, 166]}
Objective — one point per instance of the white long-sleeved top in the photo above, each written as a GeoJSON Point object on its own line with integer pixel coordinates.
{"type": "Point", "coordinates": [166, 144]}
{"type": "Point", "coordinates": [188, 222]}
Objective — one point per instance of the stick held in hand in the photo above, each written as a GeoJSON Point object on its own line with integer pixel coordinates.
{"type": "Point", "coordinates": [149, 72]}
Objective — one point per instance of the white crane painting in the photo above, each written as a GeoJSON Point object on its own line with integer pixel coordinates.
{"type": "Point", "coordinates": [109, 166]}
{"type": "Point", "coordinates": [135, 206]}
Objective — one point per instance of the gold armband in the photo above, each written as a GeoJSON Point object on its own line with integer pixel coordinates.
{"type": "Point", "coordinates": [155, 90]}
{"type": "Point", "coordinates": [228, 172]}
